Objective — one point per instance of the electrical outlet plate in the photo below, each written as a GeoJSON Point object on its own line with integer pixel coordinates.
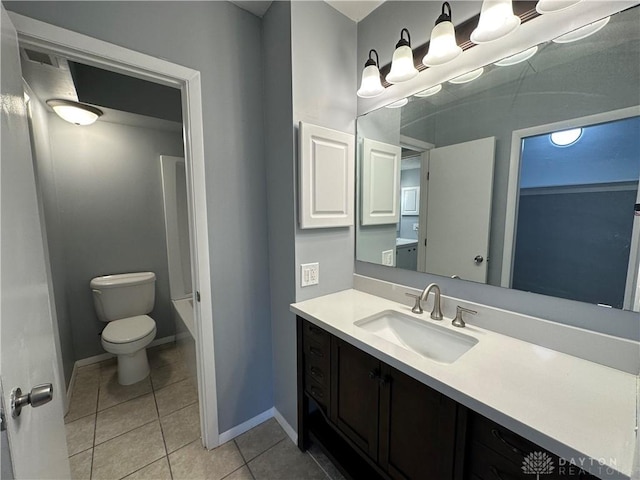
{"type": "Point", "coordinates": [309, 274]}
{"type": "Point", "coordinates": [387, 258]}
{"type": "Point", "coordinates": [416, 226]}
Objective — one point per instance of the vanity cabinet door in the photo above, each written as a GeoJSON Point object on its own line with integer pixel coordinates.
{"type": "Point", "coordinates": [354, 395]}
{"type": "Point", "coordinates": [417, 428]}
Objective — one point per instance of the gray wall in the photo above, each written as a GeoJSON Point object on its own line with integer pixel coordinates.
{"type": "Point", "coordinates": [221, 41]}
{"type": "Point", "coordinates": [377, 30]}
{"type": "Point", "coordinates": [107, 197]}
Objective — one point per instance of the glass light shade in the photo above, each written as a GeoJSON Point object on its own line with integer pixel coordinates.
{"type": "Point", "coordinates": [582, 32]}
{"type": "Point", "coordinates": [442, 46]}
{"type": "Point", "coordinates": [74, 112]}
{"type": "Point", "coordinates": [517, 58]}
{"type": "Point", "coordinates": [566, 137]}
{"type": "Point", "coordinates": [370, 86]}
{"type": "Point", "coordinates": [429, 91]}
{"type": "Point", "coordinates": [402, 68]}
{"type": "Point", "coordinates": [400, 103]}
{"type": "Point", "coordinates": [468, 77]}
{"type": "Point", "coordinates": [550, 6]}
{"type": "Point", "coordinates": [496, 21]}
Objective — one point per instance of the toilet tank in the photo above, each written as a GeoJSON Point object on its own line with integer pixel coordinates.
{"type": "Point", "coordinates": [123, 295]}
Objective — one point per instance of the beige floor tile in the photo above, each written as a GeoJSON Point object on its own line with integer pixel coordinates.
{"type": "Point", "coordinates": [84, 400]}
{"type": "Point", "coordinates": [80, 434]}
{"type": "Point", "coordinates": [158, 470]}
{"type": "Point", "coordinates": [176, 396]}
{"type": "Point", "coordinates": [285, 461]}
{"type": "Point", "coordinates": [80, 465]}
{"type": "Point", "coordinates": [108, 370]}
{"type": "Point", "coordinates": [259, 439]}
{"type": "Point", "coordinates": [124, 417]}
{"type": "Point", "coordinates": [163, 355]}
{"type": "Point", "coordinates": [321, 459]}
{"type": "Point", "coordinates": [128, 453]}
{"type": "Point", "coordinates": [112, 393]}
{"type": "Point", "coordinates": [243, 473]}
{"type": "Point", "coordinates": [168, 374]}
{"type": "Point", "coordinates": [181, 427]}
{"type": "Point", "coordinates": [194, 461]}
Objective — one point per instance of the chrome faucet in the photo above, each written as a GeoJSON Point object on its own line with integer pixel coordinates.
{"type": "Point", "coordinates": [436, 313]}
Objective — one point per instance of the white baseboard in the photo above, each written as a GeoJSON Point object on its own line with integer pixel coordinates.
{"type": "Point", "coordinates": [232, 433]}
{"type": "Point", "coordinates": [106, 356]}
{"type": "Point", "coordinates": [289, 430]}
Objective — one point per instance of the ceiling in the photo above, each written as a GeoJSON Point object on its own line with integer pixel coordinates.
{"type": "Point", "coordinates": [356, 10]}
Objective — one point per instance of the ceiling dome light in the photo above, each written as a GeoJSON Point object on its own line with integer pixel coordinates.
{"type": "Point", "coordinates": [400, 103]}
{"type": "Point", "coordinates": [549, 6]}
{"type": "Point", "coordinates": [402, 67]}
{"type": "Point", "coordinates": [496, 21]}
{"type": "Point", "coordinates": [371, 86]}
{"type": "Point", "coordinates": [442, 46]}
{"type": "Point", "coordinates": [429, 91]}
{"type": "Point", "coordinates": [467, 77]}
{"type": "Point", "coordinates": [74, 112]}
{"type": "Point", "coordinates": [582, 32]}
{"type": "Point", "coordinates": [517, 58]}
{"type": "Point", "coordinates": [565, 138]}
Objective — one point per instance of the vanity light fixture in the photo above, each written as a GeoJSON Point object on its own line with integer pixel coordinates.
{"type": "Point", "coordinates": [566, 138]}
{"type": "Point", "coordinates": [582, 32]}
{"type": "Point", "coordinates": [371, 86]}
{"type": "Point", "coordinates": [429, 91]}
{"type": "Point", "coordinates": [496, 21]}
{"type": "Point", "coordinates": [468, 77]}
{"type": "Point", "coordinates": [442, 46]}
{"type": "Point", "coordinates": [549, 6]}
{"type": "Point", "coordinates": [400, 103]}
{"type": "Point", "coordinates": [75, 112]}
{"type": "Point", "coordinates": [517, 58]}
{"type": "Point", "coordinates": [402, 67]}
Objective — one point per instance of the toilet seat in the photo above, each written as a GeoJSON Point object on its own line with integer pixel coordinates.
{"type": "Point", "coordinates": [127, 330]}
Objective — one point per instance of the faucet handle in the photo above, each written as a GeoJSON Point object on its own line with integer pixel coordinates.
{"type": "Point", "coordinates": [417, 307]}
{"type": "Point", "coordinates": [458, 321]}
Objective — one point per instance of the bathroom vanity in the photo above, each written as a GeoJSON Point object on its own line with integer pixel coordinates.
{"type": "Point", "coordinates": [503, 409]}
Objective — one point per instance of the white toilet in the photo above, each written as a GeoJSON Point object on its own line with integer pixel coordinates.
{"type": "Point", "coordinates": [123, 301]}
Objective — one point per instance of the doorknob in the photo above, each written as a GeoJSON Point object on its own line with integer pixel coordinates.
{"type": "Point", "coordinates": [39, 395]}
{"type": "Point", "coordinates": [478, 260]}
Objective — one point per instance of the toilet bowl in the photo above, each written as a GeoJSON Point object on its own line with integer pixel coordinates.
{"type": "Point", "coordinates": [123, 301]}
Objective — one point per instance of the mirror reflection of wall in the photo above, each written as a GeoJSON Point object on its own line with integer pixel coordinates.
{"type": "Point", "coordinates": [563, 83]}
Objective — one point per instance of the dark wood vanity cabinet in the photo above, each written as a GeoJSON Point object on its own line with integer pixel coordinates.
{"type": "Point", "coordinates": [376, 422]}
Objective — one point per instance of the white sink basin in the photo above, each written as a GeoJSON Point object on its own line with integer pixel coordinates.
{"type": "Point", "coordinates": [431, 341]}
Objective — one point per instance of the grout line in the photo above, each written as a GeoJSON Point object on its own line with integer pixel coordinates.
{"type": "Point", "coordinates": [241, 454]}
{"type": "Point", "coordinates": [81, 451]}
{"type": "Point", "coordinates": [145, 466]}
{"type": "Point", "coordinates": [128, 431]}
{"type": "Point", "coordinates": [272, 446]}
{"type": "Point", "coordinates": [229, 474]}
{"type": "Point", "coordinates": [164, 441]}
{"type": "Point", "coordinates": [95, 428]}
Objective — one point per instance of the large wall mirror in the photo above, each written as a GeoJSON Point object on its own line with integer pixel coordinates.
{"type": "Point", "coordinates": [521, 174]}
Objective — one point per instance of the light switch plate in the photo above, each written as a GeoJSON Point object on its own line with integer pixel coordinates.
{"type": "Point", "coordinates": [416, 226]}
{"type": "Point", "coordinates": [309, 274]}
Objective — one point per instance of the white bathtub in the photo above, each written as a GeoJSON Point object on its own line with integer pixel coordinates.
{"type": "Point", "coordinates": [186, 334]}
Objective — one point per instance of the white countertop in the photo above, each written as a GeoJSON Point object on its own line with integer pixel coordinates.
{"type": "Point", "coordinates": [570, 406]}
{"type": "Point", "coordinates": [403, 242]}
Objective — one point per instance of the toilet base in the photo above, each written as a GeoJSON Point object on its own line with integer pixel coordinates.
{"type": "Point", "coordinates": [133, 367]}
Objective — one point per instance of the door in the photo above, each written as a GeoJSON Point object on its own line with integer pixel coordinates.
{"type": "Point", "coordinates": [380, 183]}
{"type": "Point", "coordinates": [37, 437]}
{"type": "Point", "coordinates": [355, 376]}
{"type": "Point", "coordinates": [459, 209]}
{"type": "Point", "coordinates": [417, 428]}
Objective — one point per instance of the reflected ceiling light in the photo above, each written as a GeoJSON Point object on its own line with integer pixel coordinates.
{"type": "Point", "coordinates": [517, 58]}
{"type": "Point", "coordinates": [442, 46]}
{"type": "Point", "coordinates": [565, 138]}
{"type": "Point", "coordinates": [467, 77]}
{"type": "Point", "coordinates": [371, 86]}
{"type": "Point", "coordinates": [550, 6]}
{"type": "Point", "coordinates": [496, 21]}
{"type": "Point", "coordinates": [402, 67]}
{"type": "Point", "coordinates": [582, 32]}
{"type": "Point", "coordinates": [429, 91]}
{"type": "Point", "coordinates": [74, 112]}
{"type": "Point", "coordinates": [400, 103]}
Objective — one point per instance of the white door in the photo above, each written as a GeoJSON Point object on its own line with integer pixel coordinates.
{"type": "Point", "coordinates": [380, 183]}
{"type": "Point", "coordinates": [27, 357]}
{"type": "Point", "coordinates": [459, 209]}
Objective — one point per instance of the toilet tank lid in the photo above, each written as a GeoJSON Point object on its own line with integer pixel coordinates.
{"type": "Point", "coordinates": [123, 279]}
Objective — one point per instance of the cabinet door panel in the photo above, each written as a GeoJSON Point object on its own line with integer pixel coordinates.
{"type": "Point", "coordinates": [417, 428]}
{"type": "Point", "coordinates": [354, 403]}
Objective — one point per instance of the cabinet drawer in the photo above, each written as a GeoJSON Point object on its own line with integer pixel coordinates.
{"type": "Point", "coordinates": [315, 370]}
{"type": "Point", "coordinates": [315, 334]}
{"type": "Point", "coordinates": [317, 354]}
{"type": "Point", "coordinates": [319, 393]}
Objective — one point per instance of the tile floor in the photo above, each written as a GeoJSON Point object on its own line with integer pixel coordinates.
{"type": "Point", "coordinates": [151, 430]}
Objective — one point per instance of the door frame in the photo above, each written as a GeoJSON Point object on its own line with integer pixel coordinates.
{"type": "Point", "coordinates": [98, 53]}
{"type": "Point", "coordinates": [511, 216]}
